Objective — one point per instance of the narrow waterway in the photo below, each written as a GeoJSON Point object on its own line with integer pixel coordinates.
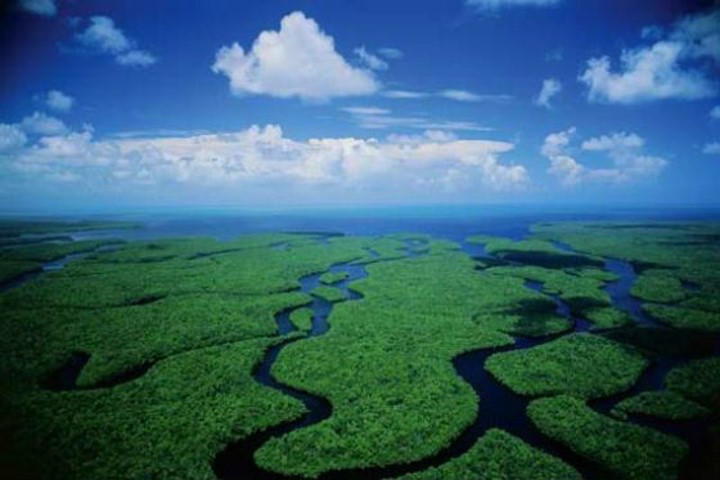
{"type": "Point", "coordinates": [236, 460]}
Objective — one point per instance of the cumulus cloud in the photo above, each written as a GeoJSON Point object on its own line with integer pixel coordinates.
{"type": "Point", "coordinates": [264, 156]}
{"type": "Point", "coordinates": [623, 150]}
{"type": "Point", "coordinates": [497, 4]}
{"type": "Point", "coordinates": [299, 60]}
{"type": "Point", "coordinates": [40, 123]}
{"type": "Point", "coordinates": [550, 88]}
{"type": "Point", "coordinates": [39, 7]}
{"type": "Point", "coordinates": [103, 36]}
{"type": "Point", "coordinates": [712, 148]}
{"type": "Point", "coordinates": [715, 112]}
{"type": "Point", "coordinates": [59, 101]}
{"type": "Point", "coordinates": [373, 62]}
{"type": "Point", "coordinates": [669, 68]}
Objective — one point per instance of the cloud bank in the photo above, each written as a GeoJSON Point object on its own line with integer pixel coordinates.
{"type": "Point", "coordinates": [260, 158]}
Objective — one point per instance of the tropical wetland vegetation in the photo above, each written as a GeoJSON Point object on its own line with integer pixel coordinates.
{"type": "Point", "coordinates": [582, 350]}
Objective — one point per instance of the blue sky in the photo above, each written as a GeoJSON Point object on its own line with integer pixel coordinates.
{"type": "Point", "coordinates": [114, 104]}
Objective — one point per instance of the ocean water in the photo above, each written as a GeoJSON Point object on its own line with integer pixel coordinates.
{"type": "Point", "coordinates": [453, 223]}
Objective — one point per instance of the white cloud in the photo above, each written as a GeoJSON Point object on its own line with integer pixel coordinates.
{"type": "Point", "coordinates": [497, 4]}
{"type": "Point", "coordinates": [366, 110]}
{"type": "Point", "coordinates": [614, 142]}
{"type": "Point", "coordinates": [41, 124]}
{"type": "Point", "coordinates": [299, 60]}
{"type": "Point", "coordinates": [667, 69]}
{"type": "Point", "coordinates": [137, 58]}
{"type": "Point", "coordinates": [58, 101]}
{"type": "Point", "coordinates": [465, 96]}
{"type": "Point", "coordinates": [434, 161]}
{"type": "Point", "coordinates": [391, 53]}
{"type": "Point", "coordinates": [715, 112]}
{"type": "Point", "coordinates": [11, 138]}
{"type": "Point", "coordinates": [550, 88]}
{"type": "Point", "coordinates": [628, 163]}
{"type": "Point", "coordinates": [403, 94]}
{"type": "Point", "coordinates": [373, 62]}
{"type": "Point", "coordinates": [712, 148]}
{"type": "Point", "coordinates": [103, 36]}
{"type": "Point", "coordinates": [380, 118]}
{"type": "Point", "coordinates": [39, 7]}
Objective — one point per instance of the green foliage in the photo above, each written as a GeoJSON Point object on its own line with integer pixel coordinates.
{"type": "Point", "coordinates": [497, 455]}
{"type": "Point", "coordinates": [10, 270]}
{"type": "Point", "coordinates": [17, 261]}
{"type": "Point", "coordinates": [108, 281]}
{"type": "Point", "coordinates": [698, 380]}
{"type": "Point", "coordinates": [664, 341]}
{"type": "Point", "coordinates": [584, 365]}
{"type": "Point", "coordinates": [15, 228]}
{"type": "Point", "coordinates": [686, 318]}
{"type": "Point", "coordinates": [302, 318]}
{"type": "Point", "coordinates": [533, 252]}
{"type": "Point", "coordinates": [331, 294]}
{"type": "Point", "coordinates": [405, 400]}
{"type": "Point", "coordinates": [665, 253]}
{"type": "Point", "coordinates": [582, 290]}
{"type": "Point", "coordinates": [658, 285]}
{"type": "Point", "coordinates": [167, 424]}
{"type": "Point", "coordinates": [330, 278]}
{"type": "Point", "coordinates": [663, 404]}
{"type": "Point", "coordinates": [627, 450]}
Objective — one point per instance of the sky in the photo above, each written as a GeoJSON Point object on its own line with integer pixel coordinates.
{"type": "Point", "coordinates": [116, 104]}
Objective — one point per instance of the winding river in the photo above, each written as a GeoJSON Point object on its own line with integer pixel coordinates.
{"type": "Point", "coordinates": [499, 407]}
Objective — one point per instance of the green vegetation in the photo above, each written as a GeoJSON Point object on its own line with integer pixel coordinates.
{"type": "Point", "coordinates": [200, 314]}
{"type": "Point", "coordinates": [581, 290]}
{"type": "Point", "coordinates": [302, 318]}
{"type": "Point", "coordinates": [16, 228]}
{"type": "Point", "coordinates": [176, 308]}
{"type": "Point", "coordinates": [659, 285]}
{"type": "Point", "coordinates": [331, 294]}
{"type": "Point", "coordinates": [698, 380]}
{"type": "Point", "coordinates": [666, 254]}
{"type": "Point", "coordinates": [684, 317]}
{"type": "Point", "coordinates": [167, 424]}
{"type": "Point", "coordinates": [629, 451]}
{"type": "Point", "coordinates": [497, 455]}
{"type": "Point", "coordinates": [330, 278]}
{"type": "Point", "coordinates": [533, 252]}
{"type": "Point", "coordinates": [664, 341]}
{"type": "Point", "coordinates": [405, 400]}
{"type": "Point", "coordinates": [584, 365]}
{"type": "Point", "coordinates": [17, 261]}
{"type": "Point", "coordinates": [663, 404]}
{"type": "Point", "coordinates": [532, 317]}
